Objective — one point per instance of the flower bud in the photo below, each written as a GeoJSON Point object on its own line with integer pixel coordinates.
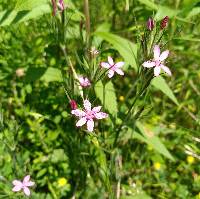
{"type": "Point", "coordinates": [73, 104]}
{"type": "Point", "coordinates": [164, 22]}
{"type": "Point", "coordinates": [150, 24]}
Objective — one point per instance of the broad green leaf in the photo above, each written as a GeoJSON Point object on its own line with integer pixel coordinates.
{"type": "Point", "coordinates": [51, 75]}
{"type": "Point", "coordinates": [110, 97]}
{"type": "Point", "coordinates": [29, 4]}
{"type": "Point", "coordinates": [9, 17]}
{"type": "Point", "coordinates": [125, 47]}
{"type": "Point", "coordinates": [153, 141]}
{"type": "Point", "coordinates": [160, 83]}
{"type": "Point", "coordinates": [58, 155]}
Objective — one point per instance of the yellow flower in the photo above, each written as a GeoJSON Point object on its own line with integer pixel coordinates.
{"type": "Point", "coordinates": [121, 98]}
{"type": "Point", "coordinates": [62, 182]}
{"type": "Point", "coordinates": [190, 159]}
{"type": "Point", "coordinates": [198, 195]}
{"type": "Point", "coordinates": [157, 166]}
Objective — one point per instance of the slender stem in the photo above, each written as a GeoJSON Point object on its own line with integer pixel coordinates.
{"type": "Point", "coordinates": [87, 22]}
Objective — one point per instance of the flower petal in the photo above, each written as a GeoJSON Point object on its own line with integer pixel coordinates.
{"type": "Point", "coordinates": [26, 191]}
{"type": "Point", "coordinates": [157, 71]}
{"type": "Point", "coordinates": [149, 64]}
{"type": "Point", "coordinates": [101, 115]}
{"type": "Point", "coordinates": [156, 52]}
{"type": "Point", "coordinates": [119, 64]}
{"type": "Point", "coordinates": [87, 105]}
{"type": "Point", "coordinates": [17, 183]}
{"type": "Point", "coordinates": [90, 125]}
{"type": "Point", "coordinates": [17, 188]}
{"type": "Point", "coordinates": [105, 65]}
{"type": "Point", "coordinates": [81, 122]}
{"type": "Point", "coordinates": [119, 71]}
{"type": "Point", "coordinates": [164, 55]}
{"type": "Point", "coordinates": [110, 61]}
{"type": "Point", "coordinates": [110, 73]}
{"type": "Point", "coordinates": [96, 109]}
{"type": "Point", "coordinates": [29, 184]}
{"type": "Point", "coordinates": [166, 69]}
{"type": "Point", "coordinates": [78, 113]}
{"type": "Point", "coordinates": [26, 179]}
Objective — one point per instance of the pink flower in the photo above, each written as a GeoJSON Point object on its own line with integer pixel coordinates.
{"type": "Point", "coordinates": [88, 115]}
{"type": "Point", "coordinates": [84, 82]}
{"type": "Point", "coordinates": [61, 5]}
{"type": "Point", "coordinates": [150, 24]}
{"type": "Point", "coordinates": [157, 62]}
{"type": "Point", "coordinates": [113, 67]}
{"type": "Point", "coordinates": [73, 104]}
{"type": "Point", "coordinates": [18, 185]}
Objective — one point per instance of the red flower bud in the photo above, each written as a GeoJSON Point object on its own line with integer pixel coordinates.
{"type": "Point", "coordinates": [164, 22]}
{"type": "Point", "coordinates": [73, 104]}
{"type": "Point", "coordinates": [150, 24]}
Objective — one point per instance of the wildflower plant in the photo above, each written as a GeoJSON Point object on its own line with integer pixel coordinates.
{"type": "Point", "coordinates": [93, 126]}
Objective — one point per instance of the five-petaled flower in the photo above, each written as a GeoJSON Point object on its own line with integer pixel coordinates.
{"type": "Point", "coordinates": [23, 185]}
{"type": "Point", "coordinates": [112, 67]}
{"type": "Point", "coordinates": [88, 115]}
{"type": "Point", "coordinates": [84, 82]}
{"type": "Point", "coordinates": [157, 62]}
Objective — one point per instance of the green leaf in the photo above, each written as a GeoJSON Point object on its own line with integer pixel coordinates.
{"type": "Point", "coordinates": [58, 155]}
{"type": "Point", "coordinates": [165, 11]}
{"type": "Point", "coordinates": [126, 48]}
{"type": "Point", "coordinates": [23, 13]}
{"type": "Point", "coordinates": [52, 75]}
{"type": "Point", "coordinates": [153, 141]}
{"type": "Point", "coordinates": [160, 83]}
{"type": "Point", "coordinates": [149, 4]}
{"type": "Point", "coordinates": [110, 97]}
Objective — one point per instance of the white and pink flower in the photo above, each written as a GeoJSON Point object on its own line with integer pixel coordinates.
{"type": "Point", "coordinates": [88, 115]}
{"type": "Point", "coordinates": [112, 67]}
{"type": "Point", "coordinates": [158, 61]}
{"type": "Point", "coordinates": [84, 81]}
{"type": "Point", "coordinates": [23, 185]}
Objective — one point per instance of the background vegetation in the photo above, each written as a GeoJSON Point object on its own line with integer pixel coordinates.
{"type": "Point", "coordinates": [159, 159]}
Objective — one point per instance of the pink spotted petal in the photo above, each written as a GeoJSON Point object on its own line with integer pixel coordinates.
{"type": "Point", "coordinates": [87, 105]}
{"type": "Point", "coordinates": [90, 125]}
{"type": "Point", "coordinates": [166, 69]}
{"type": "Point", "coordinates": [26, 191]}
{"type": "Point", "coordinates": [157, 71]}
{"type": "Point", "coordinates": [164, 55]}
{"type": "Point", "coordinates": [81, 122]}
{"type": "Point", "coordinates": [119, 64]}
{"type": "Point", "coordinates": [119, 71]}
{"type": "Point", "coordinates": [156, 52]}
{"type": "Point", "coordinates": [148, 64]}
{"type": "Point", "coordinates": [78, 113]}
{"type": "Point", "coordinates": [105, 65]}
{"type": "Point", "coordinates": [17, 188]}
{"type": "Point", "coordinates": [110, 73]}
{"type": "Point", "coordinates": [96, 109]}
{"type": "Point", "coordinates": [101, 115]}
{"type": "Point", "coordinates": [110, 61]}
{"type": "Point", "coordinates": [17, 183]}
